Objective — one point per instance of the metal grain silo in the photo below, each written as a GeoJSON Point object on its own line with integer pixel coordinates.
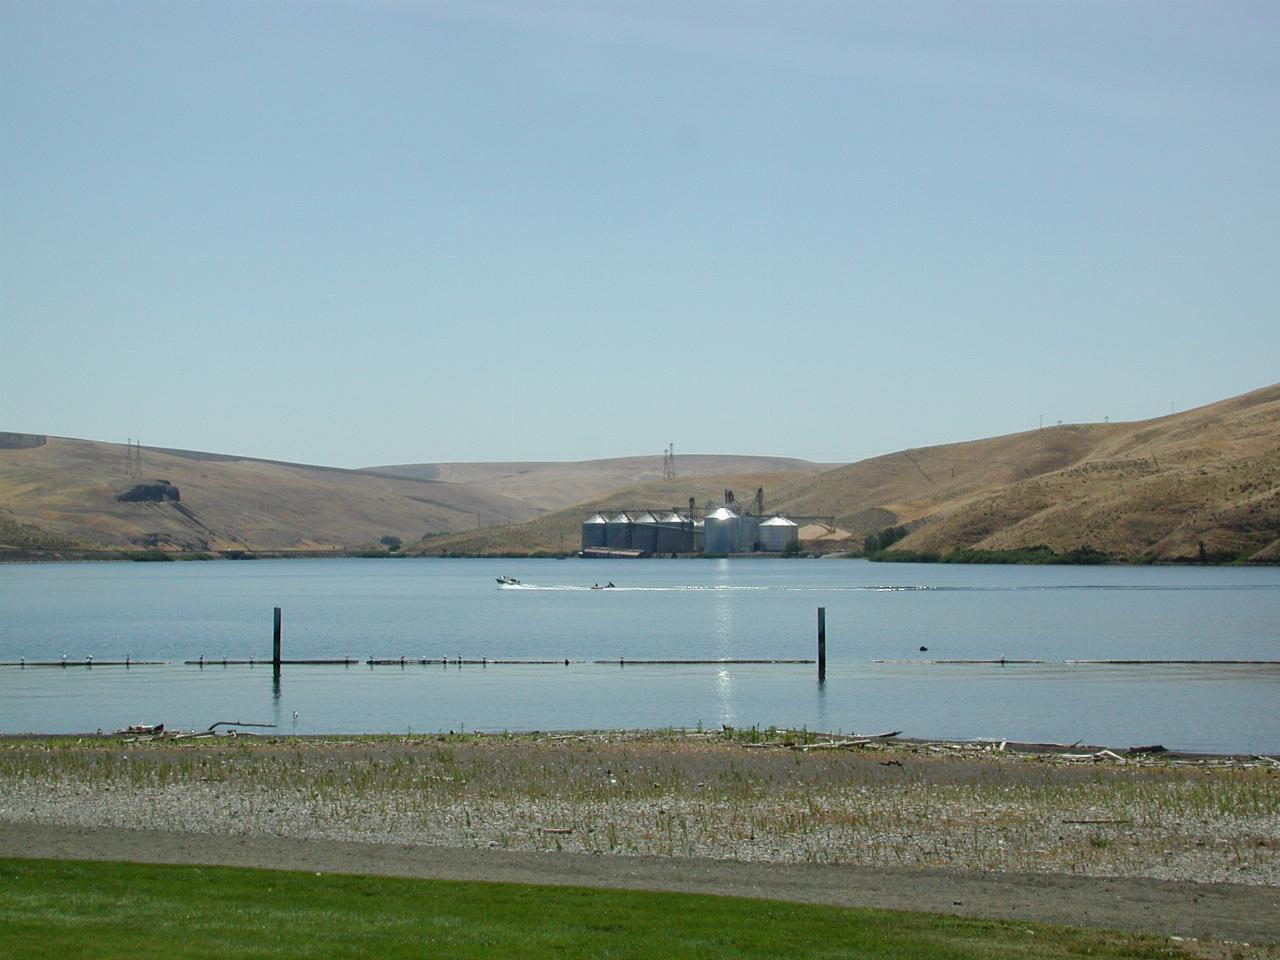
{"type": "Point", "coordinates": [748, 528]}
{"type": "Point", "coordinates": [593, 531]}
{"type": "Point", "coordinates": [675, 534]}
{"type": "Point", "coordinates": [644, 533]}
{"type": "Point", "coordinates": [721, 531]}
{"type": "Point", "coordinates": [776, 533]}
{"type": "Point", "coordinates": [617, 532]}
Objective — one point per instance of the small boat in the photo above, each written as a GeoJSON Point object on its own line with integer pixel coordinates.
{"type": "Point", "coordinates": [509, 582]}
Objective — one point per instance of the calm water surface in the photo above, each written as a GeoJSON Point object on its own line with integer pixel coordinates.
{"type": "Point", "coordinates": [662, 609]}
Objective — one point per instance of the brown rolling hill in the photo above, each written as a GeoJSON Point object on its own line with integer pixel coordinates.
{"type": "Point", "coordinates": [60, 495]}
{"type": "Point", "coordinates": [1155, 489]}
{"type": "Point", "coordinates": [560, 532]}
{"type": "Point", "coordinates": [551, 485]}
{"type": "Point", "coordinates": [1202, 484]}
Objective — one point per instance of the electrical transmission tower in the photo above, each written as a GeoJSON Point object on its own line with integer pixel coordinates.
{"type": "Point", "coordinates": [669, 462]}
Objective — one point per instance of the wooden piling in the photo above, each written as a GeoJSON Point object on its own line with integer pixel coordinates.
{"type": "Point", "coordinates": [822, 644]}
{"type": "Point", "coordinates": [275, 642]}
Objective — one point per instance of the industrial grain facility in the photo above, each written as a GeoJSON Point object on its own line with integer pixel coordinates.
{"type": "Point", "coordinates": [647, 532]}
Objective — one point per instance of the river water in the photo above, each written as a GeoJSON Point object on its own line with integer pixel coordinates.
{"type": "Point", "coordinates": [878, 618]}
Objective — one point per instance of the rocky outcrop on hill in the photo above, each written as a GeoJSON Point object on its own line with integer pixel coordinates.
{"type": "Point", "coordinates": [21, 441]}
{"type": "Point", "coordinates": [158, 491]}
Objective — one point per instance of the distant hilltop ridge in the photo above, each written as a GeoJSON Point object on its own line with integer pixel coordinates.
{"type": "Point", "coordinates": [1202, 485]}
{"type": "Point", "coordinates": [552, 485]}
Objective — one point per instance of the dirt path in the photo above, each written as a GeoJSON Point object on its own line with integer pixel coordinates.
{"type": "Point", "coordinates": [1215, 911]}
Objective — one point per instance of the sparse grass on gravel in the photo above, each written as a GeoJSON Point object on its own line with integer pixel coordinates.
{"type": "Point", "coordinates": [672, 795]}
{"type": "Point", "coordinates": [70, 909]}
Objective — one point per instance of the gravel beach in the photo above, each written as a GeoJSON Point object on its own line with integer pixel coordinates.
{"type": "Point", "coordinates": [1185, 846]}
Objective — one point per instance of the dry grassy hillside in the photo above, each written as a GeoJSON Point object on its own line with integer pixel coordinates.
{"type": "Point", "coordinates": [549, 485]}
{"type": "Point", "coordinates": [64, 491]}
{"type": "Point", "coordinates": [1202, 484]}
{"type": "Point", "coordinates": [902, 487]}
{"type": "Point", "coordinates": [1156, 489]}
{"type": "Point", "coordinates": [561, 531]}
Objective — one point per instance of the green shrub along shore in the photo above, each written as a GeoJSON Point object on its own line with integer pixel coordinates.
{"type": "Point", "coordinates": [877, 547]}
{"type": "Point", "coordinates": [1027, 555]}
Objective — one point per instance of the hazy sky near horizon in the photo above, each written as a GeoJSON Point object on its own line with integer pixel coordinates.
{"type": "Point", "coordinates": [358, 233]}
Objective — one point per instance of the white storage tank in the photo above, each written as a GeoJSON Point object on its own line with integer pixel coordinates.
{"type": "Point", "coordinates": [593, 531]}
{"type": "Point", "coordinates": [721, 531]}
{"type": "Point", "coordinates": [776, 533]}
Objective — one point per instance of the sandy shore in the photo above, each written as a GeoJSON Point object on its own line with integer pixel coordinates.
{"type": "Point", "coordinates": [1158, 845]}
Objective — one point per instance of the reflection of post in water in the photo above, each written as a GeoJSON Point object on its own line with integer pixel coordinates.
{"type": "Point", "coordinates": [275, 698]}
{"type": "Point", "coordinates": [821, 706]}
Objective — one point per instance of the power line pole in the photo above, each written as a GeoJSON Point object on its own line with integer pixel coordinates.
{"type": "Point", "coordinates": [133, 458]}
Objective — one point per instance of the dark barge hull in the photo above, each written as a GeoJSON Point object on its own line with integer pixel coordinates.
{"type": "Point", "coordinates": [612, 553]}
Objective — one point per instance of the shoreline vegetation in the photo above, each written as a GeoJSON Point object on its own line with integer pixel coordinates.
{"type": "Point", "coordinates": [777, 796]}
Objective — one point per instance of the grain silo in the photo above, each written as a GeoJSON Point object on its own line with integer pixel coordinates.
{"type": "Point", "coordinates": [675, 534]}
{"type": "Point", "coordinates": [593, 531]}
{"type": "Point", "coordinates": [721, 531]}
{"type": "Point", "coordinates": [748, 533]}
{"type": "Point", "coordinates": [776, 533]}
{"type": "Point", "coordinates": [644, 531]}
{"type": "Point", "coordinates": [617, 532]}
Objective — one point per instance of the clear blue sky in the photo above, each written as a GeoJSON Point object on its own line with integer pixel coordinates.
{"type": "Point", "coordinates": [376, 232]}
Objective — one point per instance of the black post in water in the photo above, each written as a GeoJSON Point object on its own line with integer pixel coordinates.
{"type": "Point", "coordinates": [822, 644]}
{"type": "Point", "coordinates": [275, 643]}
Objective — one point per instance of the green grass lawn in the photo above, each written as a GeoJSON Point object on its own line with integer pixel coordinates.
{"type": "Point", "coordinates": [66, 909]}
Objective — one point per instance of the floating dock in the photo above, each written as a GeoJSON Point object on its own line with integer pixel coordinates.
{"type": "Point", "coordinates": [87, 662]}
{"type": "Point", "coordinates": [999, 662]}
{"type": "Point", "coordinates": [715, 663]}
{"type": "Point", "coordinates": [462, 662]}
